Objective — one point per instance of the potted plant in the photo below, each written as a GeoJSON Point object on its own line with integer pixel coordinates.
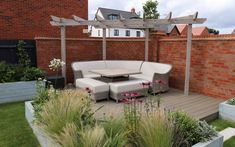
{"type": "Point", "coordinates": [227, 110]}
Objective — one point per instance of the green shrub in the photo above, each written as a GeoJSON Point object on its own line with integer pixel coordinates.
{"type": "Point", "coordinates": [231, 101]}
{"type": "Point", "coordinates": [115, 133]}
{"type": "Point", "coordinates": [32, 73]}
{"type": "Point", "coordinates": [23, 57]}
{"type": "Point", "coordinates": [42, 96]}
{"type": "Point", "coordinates": [189, 131]}
{"type": "Point", "coordinates": [155, 130]}
{"type": "Point", "coordinates": [207, 132]}
{"type": "Point", "coordinates": [13, 73]}
{"type": "Point", "coordinates": [6, 73]}
{"type": "Point", "coordinates": [188, 127]}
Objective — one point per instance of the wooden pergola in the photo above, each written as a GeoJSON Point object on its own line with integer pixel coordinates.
{"type": "Point", "coordinates": [145, 24]}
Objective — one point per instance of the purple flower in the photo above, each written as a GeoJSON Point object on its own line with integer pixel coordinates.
{"type": "Point", "coordinates": [88, 90]}
{"type": "Point", "coordinates": [159, 82]}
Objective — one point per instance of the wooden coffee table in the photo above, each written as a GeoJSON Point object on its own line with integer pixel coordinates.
{"type": "Point", "coordinates": [112, 75]}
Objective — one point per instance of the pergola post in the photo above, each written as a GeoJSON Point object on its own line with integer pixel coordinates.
{"type": "Point", "coordinates": [63, 49]}
{"type": "Point", "coordinates": [104, 44]}
{"type": "Point", "coordinates": [188, 60]}
{"type": "Point", "coordinates": [146, 51]}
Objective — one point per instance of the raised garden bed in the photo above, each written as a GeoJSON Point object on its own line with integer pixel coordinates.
{"type": "Point", "coordinates": [227, 111]}
{"type": "Point", "coordinates": [43, 139]}
{"type": "Point", "coordinates": [46, 141]}
{"type": "Point", "coordinates": [17, 91]}
{"type": "Point", "coordinates": [216, 142]}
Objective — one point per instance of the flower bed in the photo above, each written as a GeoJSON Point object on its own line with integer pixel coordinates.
{"type": "Point", "coordinates": [66, 118]}
{"type": "Point", "coordinates": [227, 110]}
{"type": "Point", "coordinates": [43, 139]}
{"type": "Point", "coordinates": [46, 141]}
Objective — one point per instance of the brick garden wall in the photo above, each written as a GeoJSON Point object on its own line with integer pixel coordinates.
{"type": "Point", "coordinates": [212, 64]}
{"type": "Point", "coordinates": [25, 19]}
{"type": "Point", "coordinates": [85, 49]}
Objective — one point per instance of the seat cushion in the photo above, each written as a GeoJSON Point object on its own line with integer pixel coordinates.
{"type": "Point", "coordinates": [126, 86]}
{"type": "Point", "coordinates": [91, 75]}
{"type": "Point", "coordinates": [95, 85]}
{"type": "Point", "coordinates": [143, 77]}
{"type": "Point", "coordinates": [86, 67]}
{"type": "Point", "coordinates": [120, 64]}
{"type": "Point", "coordinates": [149, 68]}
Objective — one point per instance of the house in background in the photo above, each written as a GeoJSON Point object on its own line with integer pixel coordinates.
{"type": "Point", "coordinates": [233, 31]}
{"type": "Point", "coordinates": [111, 14]}
{"type": "Point", "coordinates": [196, 31]}
{"type": "Point", "coordinates": [200, 31]}
{"type": "Point", "coordinates": [183, 29]}
{"type": "Point", "coordinates": [173, 31]}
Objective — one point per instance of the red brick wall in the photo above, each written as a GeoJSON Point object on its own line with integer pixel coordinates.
{"type": "Point", "coordinates": [25, 19]}
{"type": "Point", "coordinates": [212, 65]}
{"type": "Point", "coordinates": [87, 49]}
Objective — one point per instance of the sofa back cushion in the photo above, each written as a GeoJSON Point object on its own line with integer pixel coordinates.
{"type": "Point", "coordinates": [120, 64]}
{"type": "Point", "coordinates": [87, 66]}
{"type": "Point", "coordinates": [149, 68]}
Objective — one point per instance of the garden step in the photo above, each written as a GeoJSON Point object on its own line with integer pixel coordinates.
{"type": "Point", "coordinates": [227, 133]}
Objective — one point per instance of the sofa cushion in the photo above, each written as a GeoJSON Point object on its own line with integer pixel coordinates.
{"type": "Point", "coordinates": [149, 68]}
{"type": "Point", "coordinates": [86, 67]}
{"type": "Point", "coordinates": [126, 86]}
{"type": "Point", "coordinates": [91, 75]}
{"type": "Point", "coordinates": [95, 85]}
{"type": "Point", "coordinates": [143, 77]}
{"type": "Point", "coordinates": [120, 64]}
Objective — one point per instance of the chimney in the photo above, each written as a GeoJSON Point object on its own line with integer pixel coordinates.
{"type": "Point", "coordinates": [133, 10]}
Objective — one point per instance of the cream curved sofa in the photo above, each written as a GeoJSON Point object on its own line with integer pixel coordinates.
{"type": "Point", "coordinates": [150, 71]}
{"type": "Point", "coordinates": [154, 72]}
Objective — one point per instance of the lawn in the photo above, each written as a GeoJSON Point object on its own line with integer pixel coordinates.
{"type": "Point", "coordinates": [15, 131]}
{"type": "Point", "coordinates": [221, 125]}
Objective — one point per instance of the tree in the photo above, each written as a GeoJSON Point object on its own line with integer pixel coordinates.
{"type": "Point", "coordinates": [150, 10]}
{"type": "Point", "coordinates": [213, 31]}
{"type": "Point", "coordinates": [22, 54]}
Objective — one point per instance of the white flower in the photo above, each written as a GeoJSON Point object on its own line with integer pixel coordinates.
{"type": "Point", "coordinates": [56, 64]}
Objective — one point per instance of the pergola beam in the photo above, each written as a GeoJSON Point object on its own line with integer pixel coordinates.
{"type": "Point", "coordinates": [127, 23]}
{"type": "Point", "coordinates": [131, 24]}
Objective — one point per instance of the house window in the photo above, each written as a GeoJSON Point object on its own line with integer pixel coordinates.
{"type": "Point", "coordinates": [116, 32]}
{"type": "Point", "coordinates": [137, 33]}
{"type": "Point", "coordinates": [113, 17]}
{"type": "Point", "coordinates": [128, 33]}
{"type": "Point", "coordinates": [98, 32]}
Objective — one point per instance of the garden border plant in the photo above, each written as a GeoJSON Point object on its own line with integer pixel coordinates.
{"type": "Point", "coordinates": [22, 71]}
{"type": "Point", "coordinates": [69, 120]}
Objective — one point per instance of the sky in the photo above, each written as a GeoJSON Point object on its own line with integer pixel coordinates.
{"type": "Point", "coordinates": [219, 13]}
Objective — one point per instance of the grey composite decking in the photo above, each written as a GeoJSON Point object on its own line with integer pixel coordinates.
{"type": "Point", "coordinates": [198, 106]}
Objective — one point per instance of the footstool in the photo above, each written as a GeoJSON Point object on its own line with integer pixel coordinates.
{"type": "Point", "coordinates": [100, 90]}
{"type": "Point", "coordinates": [117, 89]}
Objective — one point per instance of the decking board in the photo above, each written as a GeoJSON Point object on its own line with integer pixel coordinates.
{"type": "Point", "coordinates": [196, 105]}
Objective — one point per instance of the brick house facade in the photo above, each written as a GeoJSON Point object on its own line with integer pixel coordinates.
{"type": "Point", "coordinates": [27, 19]}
